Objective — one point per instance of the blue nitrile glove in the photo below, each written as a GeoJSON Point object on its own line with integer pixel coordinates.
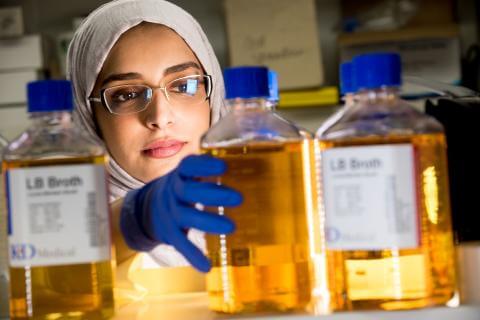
{"type": "Point", "coordinates": [162, 210]}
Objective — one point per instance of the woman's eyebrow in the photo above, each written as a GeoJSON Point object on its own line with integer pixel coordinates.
{"type": "Point", "coordinates": [121, 76]}
{"type": "Point", "coordinates": [181, 67]}
{"type": "Point", "coordinates": [136, 75]}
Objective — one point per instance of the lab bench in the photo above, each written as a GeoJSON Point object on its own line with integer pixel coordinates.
{"type": "Point", "coordinates": [194, 306]}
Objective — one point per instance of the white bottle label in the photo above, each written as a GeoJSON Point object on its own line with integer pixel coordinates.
{"type": "Point", "coordinates": [370, 197]}
{"type": "Point", "coordinates": [58, 215]}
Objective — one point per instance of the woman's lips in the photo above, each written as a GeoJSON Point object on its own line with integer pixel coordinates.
{"type": "Point", "coordinates": [163, 148]}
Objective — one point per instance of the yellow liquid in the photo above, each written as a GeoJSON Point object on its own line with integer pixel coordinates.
{"type": "Point", "coordinates": [77, 291]}
{"type": "Point", "coordinates": [265, 264]}
{"type": "Point", "coordinates": [405, 278]}
{"type": "Point", "coordinates": [3, 255]}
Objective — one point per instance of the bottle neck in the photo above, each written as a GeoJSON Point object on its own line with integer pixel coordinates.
{"type": "Point", "coordinates": [53, 119]}
{"type": "Point", "coordinates": [272, 104]}
{"type": "Point", "coordinates": [251, 104]}
{"type": "Point", "coordinates": [373, 96]}
{"type": "Point", "coordinates": [349, 99]}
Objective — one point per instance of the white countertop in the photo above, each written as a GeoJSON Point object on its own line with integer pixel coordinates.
{"type": "Point", "coordinates": [194, 306]}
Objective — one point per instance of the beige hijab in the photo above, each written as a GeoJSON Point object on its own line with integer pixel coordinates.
{"type": "Point", "coordinates": [87, 52]}
{"type": "Point", "coordinates": [95, 38]}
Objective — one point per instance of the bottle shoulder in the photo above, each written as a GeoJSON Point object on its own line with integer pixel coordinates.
{"type": "Point", "coordinates": [383, 118]}
{"type": "Point", "coordinates": [238, 128]}
{"type": "Point", "coordinates": [44, 143]}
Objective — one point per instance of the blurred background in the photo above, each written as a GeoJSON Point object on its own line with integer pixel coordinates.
{"type": "Point", "coordinates": [303, 40]}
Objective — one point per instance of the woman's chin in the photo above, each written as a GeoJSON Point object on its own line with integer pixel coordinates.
{"type": "Point", "coordinates": [160, 167]}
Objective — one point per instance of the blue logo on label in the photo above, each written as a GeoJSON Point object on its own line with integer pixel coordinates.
{"type": "Point", "coordinates": [332, 234]}
{"type": "Point", "coordinates": [22, 251]}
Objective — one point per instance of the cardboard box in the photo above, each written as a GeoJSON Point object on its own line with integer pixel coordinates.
{"type": "Point", "coordinates": [279, 34]}
{"type": "Point", "coordinates": [430, 53]}
{"type": "Point", "coordinates": [13, 86]}
{"type": "Point", "coordinates": [11, 22]}
{"type": "Point", "coordinates": [21, 53]}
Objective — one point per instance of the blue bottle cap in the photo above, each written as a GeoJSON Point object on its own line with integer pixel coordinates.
{"type": "Point", "coordinates": [49, 95]}
{"type": "Point", "coordinates": [273, 86]}
{"type": "Point", "coordinates": [376, 70]}
{"type": "Point", "coordinates": [246, 82]}
{"type": "Point", "coordinates": [346, 78]}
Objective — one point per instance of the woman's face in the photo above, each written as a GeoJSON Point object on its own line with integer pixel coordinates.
{"type": "Point", "coordinates": [152, 142]}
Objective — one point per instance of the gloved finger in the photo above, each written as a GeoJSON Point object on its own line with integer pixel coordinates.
{"type": "Point", "coordinates": [188, 217]}
{"type": "Point", "coordinates": [201, 166]}
{"type": "Point", "coordinates": [207, 193]}
{"type": "Point", "coordinates": [190, 251]}
{"type": "Point", "coordinates": [162, 223]}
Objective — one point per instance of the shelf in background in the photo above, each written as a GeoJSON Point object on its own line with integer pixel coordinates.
{"type": "Point", "coordinates": [326, 96]}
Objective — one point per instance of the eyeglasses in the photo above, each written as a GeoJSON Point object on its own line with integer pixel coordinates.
{"type": "Point", "coordinates": [133, 98]}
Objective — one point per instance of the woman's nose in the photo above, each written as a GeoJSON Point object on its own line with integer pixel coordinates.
{"type": "Point", "coordinates": [159, 114]}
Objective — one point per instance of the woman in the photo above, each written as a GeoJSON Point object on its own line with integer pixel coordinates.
{"type": "Point", "coordinates": [147, 85]}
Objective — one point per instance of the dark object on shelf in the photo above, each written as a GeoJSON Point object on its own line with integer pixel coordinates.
{"type": "Point", "coordinates": [460, 117]}
{"type": "Point", "coordinates": [471, 68]}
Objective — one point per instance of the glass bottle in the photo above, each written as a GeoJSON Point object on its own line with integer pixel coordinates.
{"type": "Point", "coordinates": [386, 199]}
{"type": "Point", "coordinates": [58, 216]}
{"type": "Point", "coordinates": [266, 264]}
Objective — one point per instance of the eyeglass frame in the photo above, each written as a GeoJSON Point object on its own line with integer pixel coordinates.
{"type": "Point", "coordinates": [103, 100]}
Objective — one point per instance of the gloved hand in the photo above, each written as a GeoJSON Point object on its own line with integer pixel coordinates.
{"type": "Point", "coordinates": [164, 209]}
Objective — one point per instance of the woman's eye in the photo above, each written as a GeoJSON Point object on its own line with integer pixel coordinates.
{"type": "Point", "coordinates": [123, 96]}
{"type": "Point", "coordinates": [187, 86]}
